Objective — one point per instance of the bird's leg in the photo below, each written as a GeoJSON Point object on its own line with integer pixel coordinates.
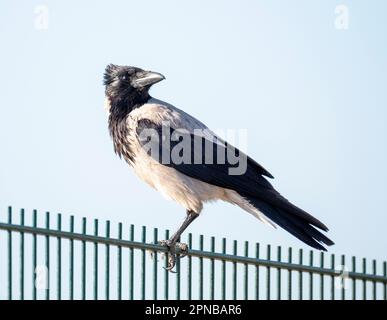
{"type": "Point", "coordinates": [172, 242]}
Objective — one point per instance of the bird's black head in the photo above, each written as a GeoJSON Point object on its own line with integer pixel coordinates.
{"type": "Point", "coordinates": [127, 87]}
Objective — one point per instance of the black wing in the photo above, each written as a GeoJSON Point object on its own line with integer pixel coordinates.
{"type": "Point", "coordinates": [250, 184]}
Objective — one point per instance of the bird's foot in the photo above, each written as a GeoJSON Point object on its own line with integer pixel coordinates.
{"type": "Point", "coordinates": [183, 249]}
{"type": "Point", "coordinates": [172, 256]}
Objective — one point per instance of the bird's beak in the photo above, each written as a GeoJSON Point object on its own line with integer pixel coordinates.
{"type": "Point", "coordinates": [147, 78]}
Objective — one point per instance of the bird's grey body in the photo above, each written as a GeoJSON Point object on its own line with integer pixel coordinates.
{"type": "Point", "coordinates": [131, 110]}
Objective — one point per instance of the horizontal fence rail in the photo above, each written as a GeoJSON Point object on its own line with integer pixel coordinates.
{"type": "Point", "coordinates": [47, 262]}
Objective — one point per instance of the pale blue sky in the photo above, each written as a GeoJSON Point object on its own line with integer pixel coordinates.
{"type": "Point", "coordinates": [312, 98]}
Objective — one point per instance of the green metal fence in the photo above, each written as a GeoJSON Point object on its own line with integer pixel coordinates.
{"type": "Point", "coordinates": [46, 260]}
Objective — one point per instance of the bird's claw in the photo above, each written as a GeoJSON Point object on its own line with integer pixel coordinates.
{"type": "Point", "coordinates": [172, 256]}
{"type": "Point", "coordinates": [171, 263]}
{"type": "Point", "coordinates": [183, 249]}
{"type": "Point", "coordinates": [165, 243]}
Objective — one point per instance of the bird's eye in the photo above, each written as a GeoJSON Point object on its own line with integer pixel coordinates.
{"type": "Point", "coordinates": [123, 77]}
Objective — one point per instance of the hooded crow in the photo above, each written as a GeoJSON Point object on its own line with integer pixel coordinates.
{"type": "Point", "coordinates": [180, 157]}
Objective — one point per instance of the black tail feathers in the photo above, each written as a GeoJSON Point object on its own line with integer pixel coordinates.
{"type": "Point", "coordinates": [299, 225]}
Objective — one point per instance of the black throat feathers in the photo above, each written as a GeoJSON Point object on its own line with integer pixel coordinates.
{"type": "Point", "coordinates": [120, 108]}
